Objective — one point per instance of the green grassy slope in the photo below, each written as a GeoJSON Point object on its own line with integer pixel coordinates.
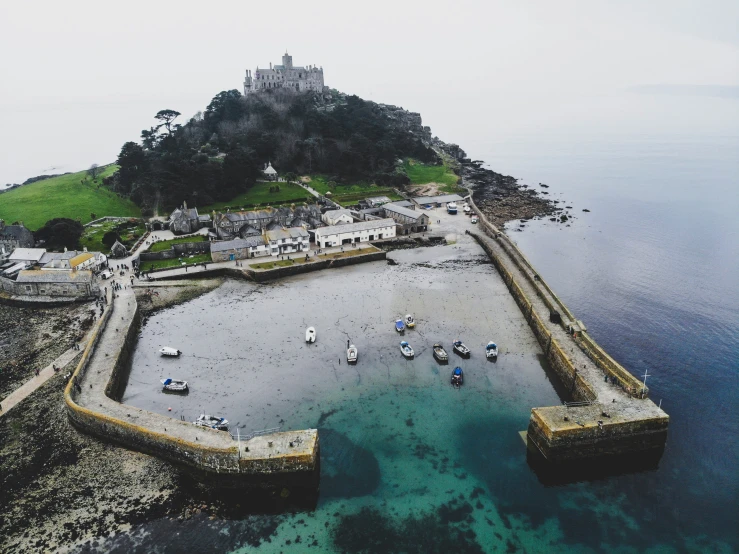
{"type": "Point", "coordinates": [259, 195]}
{"type": "Point", "coordinates": [421, 174]}
{"type": "Point", "coordinates": [74, 196]}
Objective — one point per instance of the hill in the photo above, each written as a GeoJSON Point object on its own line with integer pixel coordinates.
{"type": "Point", "coordinates": [73, 195]}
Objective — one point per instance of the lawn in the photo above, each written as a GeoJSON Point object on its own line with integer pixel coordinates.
{"type": "Point", "coordinates": [348, 195]}
{"type": "Point", "coordinates": [175, 262]}
{"type": "Point", "coordinates": [259, 195]}
{"type": "Point", "coordinates": [74, 196]}
{"type": "Point", "coordinates": [162, 245]}
{"type": "Point", "coordinates": [422, 174]}
{"type": "Point", "coordinates": [129, 231]}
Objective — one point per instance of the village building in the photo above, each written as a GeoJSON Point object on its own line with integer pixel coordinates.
{"type": "Point", "coordinates": [184, 220]}
{"type": "Point", "coordinates": [29, 256]}
{"type": "Point", "coordinates": [409, 221]}
{"type": "Point", "coordinates": [270, 174]}
{"type": "Point", "coordinates": [295, 78]}
{"type": "Point", "coordinates": [437, 201]}
{"type": "Point", "coordinates": [69, 284]}
{"type": "Point", "coordinates": [334, 217]}
{"type": "Point", "coordinates": [118, 250]}
{"type": "Point", "coordinates": [72, 260]}
{"type": "Point", "coordinates": [350, 233]}
{"type": "Point", "coordinates": [288, 241]}
{"type": "Point", "coordinates": [377, 201]}
{"type": "Point", "coordinates": [231, 225]}
{"type": "Point", "coordinates": [14, 236]}
{"type": "Point", "coordinates": [239, 249]}
{"type": "Point", "coordinates": [404, 204]}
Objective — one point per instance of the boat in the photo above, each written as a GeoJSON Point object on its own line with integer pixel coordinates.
{"type": "Point", "coordinates": [406, 349]}
{"type": "Point", "coordinates": [440, 354]}
{"type": "Point", "coordinates": [474, 219]}
{"type": "Point", "coordinates": [491, 350]}
{"type": "Point", "coordinates": [352, 354]}
{"type": "Point", "coordinates": [174, 385]}
{"type": "Point", "coordinates": [409, 321]}
{"type": "Point", "coordinates": [167, 351]}
{"type": "Point", "coordinates": [457, 377]}
{"type": "Point", "coordinates": [310, 334]}
{"type": "Point", "coordinates": [451, 208]}
{"type": "Point", "coordinates": [467, 209]}
{"type": "Point", "coordinates": [399, 326]}
{"type": "Point", "coordinates": [217, 423]}
{"type": "Point", "coordinates": [461, 349]}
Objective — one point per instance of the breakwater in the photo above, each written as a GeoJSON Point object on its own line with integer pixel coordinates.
{"type": "Point", "coordinates": [611, 413]}
{"type": "Point", "coordinates": [280, 461]}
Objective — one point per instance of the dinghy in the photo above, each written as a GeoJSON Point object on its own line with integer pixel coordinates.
{"type": "Point", "coordinates": [310, 334]}
{"type": "Point", "coordinates": [167, 351]}
{"type": "Point", "coordinates": [399, 326]}
{"type": "Point", "coordinates": [457, 377]}
{"type": "Point", "coordinates": [174, 385]}
{"type": "Point", "coordinates": [352, 354]}
{"type": "Point", "coordinates": [491, 350]}
{"type": "Point", "coordinates": [440, 354]}
{"type": "Point", "coordinates": [409, 321]}
{"type": "Point", "coordinates": [406, 349]}
{"type": "Point", "coordinates": [217, 423]}
{"type": "Point", "coordinates": [461, 349]}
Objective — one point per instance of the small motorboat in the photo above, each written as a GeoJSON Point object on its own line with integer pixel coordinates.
{"type": "Point", "coordinates": [440, 354]}
{"type": "Point", "coordinates": [467, 209]}
{"type": "Point", "coordinates": [174, 385]}
{"type": "Point", "coordinates": [167, 351]}
{"type": "Point", "coordinates": [399, 326]}
{"type": "Point", "coordinates": [461, 349]}
{"type": "Point", "coordinates": [406, 349]}
{"type": "Point", "coordinates": [474, 219]}
{"type": "Point", "coordinates": [310, 334]}
{"type": "Point", "coordinates": [409, 321]}
{"type": "Point", "coordinates": [217, 423]}
{"type": "Point", "coordinates": [352, 354]}
{"type": "Point", "coordinates": [491, 350]}
{"type": "Point", "coordinates": [457, 377]}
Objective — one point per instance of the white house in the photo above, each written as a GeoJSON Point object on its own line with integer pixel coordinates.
{"type": "Point", "coordinates": [334, 217]}
{"type": "Point", "coordinates": [287, 241]}
{"type": "Point", "coordinates": [363, 231]}
{"type": "Point", "coordinates": [270, 173]}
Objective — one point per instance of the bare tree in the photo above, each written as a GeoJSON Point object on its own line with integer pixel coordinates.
{"type": "Point", "coordinates": [94, 171]}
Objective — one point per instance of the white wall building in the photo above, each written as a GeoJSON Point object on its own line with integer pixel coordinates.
{"type": "Point", "coordinates": [288, 241]}
{"type": "Point", "coordinates": [334, 217]}
{"type": "Point", "coordinates": [363, 231]}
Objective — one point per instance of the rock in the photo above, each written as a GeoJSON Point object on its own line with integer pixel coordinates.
{"type": "Point", "coordinates": [585, 210]}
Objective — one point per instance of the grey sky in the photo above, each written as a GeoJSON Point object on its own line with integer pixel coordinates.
{"type": "Point", "coordinates": [80, 78]}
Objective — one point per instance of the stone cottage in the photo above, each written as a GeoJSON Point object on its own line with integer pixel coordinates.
{"type": "Point", "coordinates": [239, 249]}
{"type": "Point", "coordinates": [14, 236]}
{"type": "Point", "coordinates": [184, 220]}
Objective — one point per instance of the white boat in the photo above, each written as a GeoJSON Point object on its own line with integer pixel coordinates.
{"type": "Point", "coordinates": [218, 423]}
{"type": "Point", "coordinates": [406, 349]}
{"type": "Point", "coordinates": [467, 209]}
{"type": "Point", "coordinates": [409, 321]}
{"type": "Point", "coordinates": [174, 385]}
{"type": "Point", "coordinates": [460, 348]}
{"type": "Point", "coordinates": [491, 350]}
{"type": "Point", "coordinates": [451, 208]}
{"type": "Point", "coordinates": [474, 219]}
{"type": "Point", "coordinates": [167, 351]}
{"type": "Point", "coordinates": [352, 354]}
{"type": "Point", "coordinates": [310, 334]}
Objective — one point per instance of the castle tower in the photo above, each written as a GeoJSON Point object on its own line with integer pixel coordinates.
{"type": "Point", "coordinates": [287, 61]}
{"type": "Point", "coordinates": [248, 83]}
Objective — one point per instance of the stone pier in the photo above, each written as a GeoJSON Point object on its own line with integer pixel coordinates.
{"type": "Point", "coordinates": [611, 413]}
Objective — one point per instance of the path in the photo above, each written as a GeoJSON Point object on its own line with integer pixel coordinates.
{"type": "Point", "coordinates": [19, 394]}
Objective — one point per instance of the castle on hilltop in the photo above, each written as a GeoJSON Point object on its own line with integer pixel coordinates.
{"type": "Point", "coordinates": [285, 76]}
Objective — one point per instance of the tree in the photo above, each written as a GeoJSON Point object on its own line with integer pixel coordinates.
{"type": "Point", "coordinates": [60, 232]}
{"type": "Point", "coordinates": [94, 171]}
{"type": "Point", "coordinates": [93, 216]}
{"type": "Point", "coordinates": [166, 117]}
{"type": "Point", "coordinates": [110, 237]}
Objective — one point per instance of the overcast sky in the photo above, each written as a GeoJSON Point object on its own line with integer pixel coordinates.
{"type": "Point", "coordinates": [80, 78]}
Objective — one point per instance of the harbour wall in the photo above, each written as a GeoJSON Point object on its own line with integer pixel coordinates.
{"type": "Point", "coordinates": [613, 415]}
{"type": "Point", "coordinates": [278, 460]}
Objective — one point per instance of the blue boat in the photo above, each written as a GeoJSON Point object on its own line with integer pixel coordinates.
{"type": "Point", "coordinates": [399, 326]}
{"type": "Point", "coordinates": [457, 377]}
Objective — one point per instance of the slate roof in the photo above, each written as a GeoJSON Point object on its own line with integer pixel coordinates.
{"type": "Point", "coordinates": [441, 199]}
{"type": "Point", "coordinates": [292, 232]}
{"type": "Point", "coordinates": [403, 211]}
{"type": "Point", "coordinates": [30, 254]}
{"type": "Point", "coordinates": [248, 242]}
{"type": "Point", "coordinates": [404, 204]}
{"type": "Point", "coordinates": [41, 276]}
{"type": "Point", "coordinates": [354, 227]}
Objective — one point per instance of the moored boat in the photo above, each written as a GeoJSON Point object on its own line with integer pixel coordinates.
{"type": "Point", "coordinates": [409, 321]}
{"type": "Point", "coordinates": [461, 349]}
{"type": "Point", "coordinates": [440, 354]}
{"type": "Point", "coordinates": [399, 326]}
{"type": "Point", "coordinates": [174, 385]}
{"type": "Point", "coordinates": [406, 349]}
{"type": "Point", "coordinates": [310, 334]}
{"type": "Point", "coordinates": [457, 377]}
{"type": "Point", "coordinates": [218, 423]}
{"type": "Point", "coordinates": [451, 208]}
{"type": "Point", "coordinates": [167, 351]}
{"type": "Point", "coordinates": [491, 350]}
{"type": "Point", "coordinates": [352, 354]}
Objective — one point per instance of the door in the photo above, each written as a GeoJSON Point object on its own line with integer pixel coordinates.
{"type": "Point", "coordinates": [232, 257]}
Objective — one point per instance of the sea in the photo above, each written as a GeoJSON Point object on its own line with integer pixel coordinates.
{"type": "Point", "coordinates": [411, 465]}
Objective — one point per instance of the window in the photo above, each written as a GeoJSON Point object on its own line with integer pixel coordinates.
{"type": "Point", "coordinates": [28, 288]}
